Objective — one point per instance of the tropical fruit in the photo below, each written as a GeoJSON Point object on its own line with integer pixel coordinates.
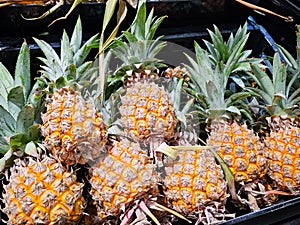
{"type": "Point", "coordinates": [121, 177]}
{"type": "Point", "coordinates": [73, 127]}
{"type": "Point", "coordinates": [221, 109]}
{"type": "Point", "coordinates": [193, 182]}
{"type": "Point", "coordinates": [146, 109]}
{"type": "Point", "coordinates": [42, 191]}
{"type": "Point", "coordinates": [279, 97]}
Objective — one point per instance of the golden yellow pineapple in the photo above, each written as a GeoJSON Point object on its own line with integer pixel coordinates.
{"type": "Point", "coordinates": [146, 109]}
{"type": "Point", "coordinates": [194, 181]}
{"type": "Point", "coordinates": [240, 148]}
{"type": "Point", "coordinates": [120, 177]}
{"type": "Point", "coordinates": [281, 102]}
{"type": "Point", "coordinates": [283, 143]}
{"type": "Point", "coordinates": [222, 109]}
{"type": "Point", "coordinates": [73, 127]}
{"type": "Point", "coordinates": [42, 192]}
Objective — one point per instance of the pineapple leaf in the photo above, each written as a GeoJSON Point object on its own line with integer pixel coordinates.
{"type": "Point", "coordinates": [76, 38]}
{"type": "Point", "coordinates": [82, 69]}
{"type": "Point", "coordinates": [129, 37]}
{"type": "Point", "coordinates": [109, 11]}
{"type": "Point", "coordinates": [15, 100]}
{"type": "Point", "coordinates": [288, 58]}
{"type": "Point", "coordinates": [8, 123]}
{"type": "Point", "coordinates": [236, 97]}
{"type": "Point", "coordinates": [156, 23]}
{"type": "Point", "coordinates": [53, 60]}
{"type": "Point", "coordinates": [4, 145]}
{"type": "Point", "coordinates": [292, 81]}
{"type": "Point", "coordinates": [81, 55]}
{"type": "Point", "coordinates": [178, 90]}
{"type": "Point", "coordinates": [264, 82]}
{"type": "Point", "coordinates": [33, 132]}
{"type": "Point", "coordinates": [6, 81]}
{"type": "Point", "coordinates": [138, 26]}
{"type": "Point", "coordinates": [233, 109]}
{"type": "Point", "coordinates": [25, 119]}
{"type": "Point", "coordinates": [266, 98]}
{"type": "Point", "coordinates": [279, 74]}
{"type": "Point", "coordinates": [66, 56]}
{"type": "Point", "coordinates": [121, 14]}
{"type": "Point", "coordinates": [18, 140]}
{"type": "Point", "coordinates": [22, 70]}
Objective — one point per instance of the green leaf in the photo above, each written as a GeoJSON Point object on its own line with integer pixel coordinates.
{"type": "Point", "coordinates": [5, 159]}
{"type": "Point", "coordinates": [76, 38]}
{"type": "Point", "coordinates": [289, 59]}
{"type": "Point", "coordinates": [17, 141]}
{"type": "Point", "coordinates": [16, 96]}
{"type": "Point", "coordinates": [138, 27]}
{"type": "Point", "coordinates": [236, 97]}
{"type": "Point", "coordinates": [8, 123]}
{"type": "Point", "coordinates": [15, 100]}
{"type": "Point", "coordinates": [6, 81]}
{"type": "Point", "coordinates": [22, 70]}
{"type": "Point", "coordinates": [81, 55]}
{"type": "Point", "coordinates": [109, 11]}
{"type": "Point", "coordinates": [181, 117]}
{"type": "Point", "coordinates": [66, 54]}
{"type": "Point", "coordinates": [279, 75]}
{"type": "Point", "coordinates": [4, 145]}
{"type": "Point", "coordinates": [263, 80]}
{"type": "Point", "coordinates": [178, 91]}
{"type": "Point", "coordinates": [25, 119]}
{"type": "Point", "coordinates": [233, 109]}
{"type": "Point", "coordinates": [53, 60]}
{"type": "Point", "coordinates": [33, 132]}
{"type": "Point", "coordinates": [123, 9]}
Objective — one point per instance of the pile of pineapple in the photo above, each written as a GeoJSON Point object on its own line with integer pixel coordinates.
{"type": "Point", "coordinates": [134, 153]}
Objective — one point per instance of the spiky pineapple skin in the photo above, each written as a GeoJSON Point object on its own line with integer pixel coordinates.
{"type": "Point", "coordinates": [283, 145]}
{"type": "Point", "coordinates": [42, 192]}
{"type": "Point", "coordinates": [73, 129]}
{"type": "Point", "coordinates": [120, 177]}
{"type": "Point", "coordinates": [240, 148]}
{"type": "Point", "coordinates": [146, 109]}
{"type": "Point", "coordinates": [193, 181]}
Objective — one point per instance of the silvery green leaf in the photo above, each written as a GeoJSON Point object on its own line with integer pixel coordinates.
{"type": "Point", "coordinates": [25, 119]}
{"type": "Point", "coordinates": [8, 123]}
{"type": "Point", "coordinates": [22, 70]}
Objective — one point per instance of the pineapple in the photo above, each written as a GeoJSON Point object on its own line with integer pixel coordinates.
{"type": "Point", "coordinates": [194, 181]}
{"type": "Point", "coordinates": [146, 108]}
{"type": "Point", "coordinates": [121, 177]}
{"type": "Point", "coordinates": [238, 145]}
{"type": "Point", "coordinates": [281, 101]}
{"type": "Point", "coordinates": [73, 128]}
{"type": "Point", "coordinates": [41, 191]}
{"type": "Point", "coordinates": [36, 191]}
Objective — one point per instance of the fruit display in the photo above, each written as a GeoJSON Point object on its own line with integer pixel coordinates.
{"type": "Point", "coordinates": [120, 135]}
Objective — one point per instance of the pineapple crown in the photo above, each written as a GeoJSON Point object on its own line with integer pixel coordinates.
{"type": "Point", "coordinates": [71, 68]}
{"type": "Point", "coordinates": [279, 94]}
{"type": "Point", "coordinates": [210, 74]}
{"type": "Point", "coordinates": [18, 130]}
{"type": "Point", "coordinates": [140, 50]}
